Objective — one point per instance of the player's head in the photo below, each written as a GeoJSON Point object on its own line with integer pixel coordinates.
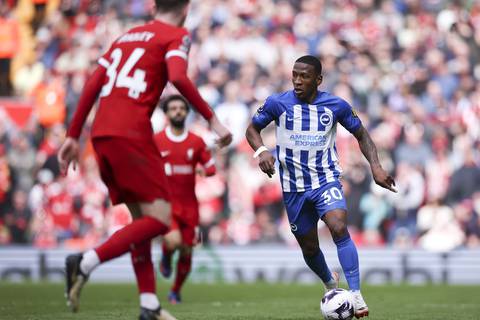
{"type": "Point", "coordinates": [177, 7]}
{"type": "Point", "coordinates": [306, 77]}
{"type": "Point", "coordinates": [176, 109]}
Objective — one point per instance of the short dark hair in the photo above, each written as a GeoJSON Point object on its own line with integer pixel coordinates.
{"type": "Point", "coordinates": [174, 97]}
{"type": "Point", "coordinates": [170, 5]}
{"type": "Point", "coordinates": [313, 61]}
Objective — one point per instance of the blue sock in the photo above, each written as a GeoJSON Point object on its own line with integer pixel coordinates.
{"type": "Point", "coordinates": [348, 256]}
{"type": "Point", "coordinates": [318, 265]}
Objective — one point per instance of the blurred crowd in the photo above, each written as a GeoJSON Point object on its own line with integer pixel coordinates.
{"type": "Point", "coordinates": [410, 68]}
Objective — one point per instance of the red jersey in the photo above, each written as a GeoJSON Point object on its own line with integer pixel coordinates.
{"type": "Point", "coordinates": [180, 155]}
{"type": "Point", "coordinates": [136, 76]}
{"type": "Point", "coordinates": [59, 206]}
{"type": "Point", "coordinates": [130, 79]}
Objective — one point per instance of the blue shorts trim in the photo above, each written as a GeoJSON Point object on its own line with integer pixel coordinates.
{"type": "Point", "coordinates": [304, 209]}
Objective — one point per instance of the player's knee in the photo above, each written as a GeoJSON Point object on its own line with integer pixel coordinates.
{"type": "Point", "coordinates": [338, 230]}
{"type": "Point", "coordinates": [310, 249]}
{"type": "Point", "coordinates": [159, 209]}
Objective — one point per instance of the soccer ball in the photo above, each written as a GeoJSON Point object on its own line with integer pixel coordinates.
{"type": "Point", "coordinates": [337, 304]}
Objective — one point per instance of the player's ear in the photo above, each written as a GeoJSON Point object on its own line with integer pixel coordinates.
{"type": "Point", "coordinates": [319, 79]}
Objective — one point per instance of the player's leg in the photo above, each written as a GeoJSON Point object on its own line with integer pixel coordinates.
{"type": "Point", "coordinates": [314, 258]}
{"type": "Point", "coordinates": [336, 220]}
{"type": "Point", "coordinates": [142, 265]}
{"type": "Point", "coordinates": [150, 308]}
{"type": "Point", "coordinates": [184, 264]}
{"type": "Point", "coordinates": [154, 222]}
{"type": "Point", "coordinates": [303, 223]}
{"type": "Point", "coordinates": [171, 242]}
{"type": "Point", "coordinates": [127, 168]}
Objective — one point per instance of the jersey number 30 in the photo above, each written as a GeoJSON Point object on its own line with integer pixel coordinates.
{"type": "Point", "coordinates": [334, 193]}
{"type": "Point", "coordinates": [135, 84]}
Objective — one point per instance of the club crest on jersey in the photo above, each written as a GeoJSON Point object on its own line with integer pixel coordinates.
{"type": "Point", "coordinates": [260, 109]}
{"type": "Point", "coordinates": [354, 113]}
{"type": "Point", "coordinates": [186, 42]}
{"type": "Point", "coordinates": [189, 153]}
{"type": "Point", "coordinates": [326, 119]}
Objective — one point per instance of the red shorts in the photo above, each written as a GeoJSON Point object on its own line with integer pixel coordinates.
{"type": "Point", "coordinates": [185, 220]}
{"type": "Point", "coordinates": [131, 169]}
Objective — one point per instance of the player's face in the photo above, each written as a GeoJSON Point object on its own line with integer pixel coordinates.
{"type": "Point", "coordinates": [305, 81]}
{"type": "Point", "coordinates": [177, 113]}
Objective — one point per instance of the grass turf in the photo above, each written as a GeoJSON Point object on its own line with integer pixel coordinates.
{"type": "Point", "coordinates": [221, 301]}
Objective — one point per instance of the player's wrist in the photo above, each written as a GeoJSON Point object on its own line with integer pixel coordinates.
{"type": "Point", "coordinates": [259, 151]}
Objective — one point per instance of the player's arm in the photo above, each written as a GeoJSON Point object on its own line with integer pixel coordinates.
{"type": "Point", "coordinates": [349, 119]}
{"type": "Point", "coordinates": [69, 151]}
{"type": "Point", "coordinates": [177, 75]}
{"type": "Point", "coordinates": [369, 150]}
{"type": "Point", "coordinates": [207, 161]}
{"type": "Point", "coordinates": [266, 161]}
{"type": "Point", "coordinates": [264, 115]}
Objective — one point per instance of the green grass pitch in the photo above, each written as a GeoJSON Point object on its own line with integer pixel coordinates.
{"type": "Point", "coordinates": [245, 301]}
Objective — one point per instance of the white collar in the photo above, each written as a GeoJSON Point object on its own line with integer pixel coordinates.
{"type": "Point", "coordinates": [174, 138]}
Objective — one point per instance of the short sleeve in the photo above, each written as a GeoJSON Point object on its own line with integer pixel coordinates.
{"type": "Point", "coordinates": [347, 116]}
{"type": "Point", "coordinates": [266, 113]}
{"type": "Point", "coordinates": [179, 46]}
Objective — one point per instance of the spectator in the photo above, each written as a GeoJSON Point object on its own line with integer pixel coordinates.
{"type": "Point", "coordinates": [376, 209]}
{"type": "Point", "coordinates": [18, 217]}
{"type": "Point", "coordinates": [412, 72]}
{"type": "Point", "coordinates": [49, 100]}
{"type": "Point", "coordinates": [5, 180]}
{"type": "Point", "coordinates": [9, 36]}
{"type": "Point", "coordinates": [411, 188]}
{"type": "Point", "coordinates": [21, 157]}
{"type": "Point", "coordinates": [441, 230]}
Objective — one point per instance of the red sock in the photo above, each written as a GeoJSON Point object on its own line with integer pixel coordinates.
{"type": "Point", "coordinates": [140, 230]}
{"type": "Point", "coordinates": [184, 265]}
{"type": "Point", "coordinates": [143, 266]}
{"type": "Point", "coordinates": [167, 253]}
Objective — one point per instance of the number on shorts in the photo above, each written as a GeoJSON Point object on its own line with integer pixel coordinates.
{"type": "Point", "coordinates": [136, 84]}
{"type": "Point", "coordinates": [334, 193]}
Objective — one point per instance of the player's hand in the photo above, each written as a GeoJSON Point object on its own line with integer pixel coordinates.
{"type": "Point", "coordinates": [267, 163]}
{"type": "Point", "coordinates": [383, 179]}
{"type": "Point", "coordinates": [69, 153]}
{"type": "Point", "coordinates": [224, 135]}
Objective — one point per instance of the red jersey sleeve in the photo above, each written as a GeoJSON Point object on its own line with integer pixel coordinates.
{"type": "Point", "coordinates": [206, 160]}
{"type": "Point", "coordinates": [179, 46]}
{"type": "Point", "coordinates": [177, 60]}
{"type": "Point", "coordinates": [89, 94]}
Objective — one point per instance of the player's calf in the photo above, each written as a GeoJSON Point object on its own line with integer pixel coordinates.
{"type": "Point", "coordinates": [166, 266]}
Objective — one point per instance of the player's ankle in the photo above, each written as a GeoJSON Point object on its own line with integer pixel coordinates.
{"type": "Point", "coordinates": [149, 301]}
{"type": "Point", "coordinates": [89, 261]}
{"type": "Point", "coordinates": [331, 284]}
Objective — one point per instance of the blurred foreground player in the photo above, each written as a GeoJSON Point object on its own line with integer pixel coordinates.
{"type": "Point", "coordinates": [130, 79]}
{"type": "Point", "coordinates": [181, 152]}
{"type": "Point", "coordinates": [306, 122]}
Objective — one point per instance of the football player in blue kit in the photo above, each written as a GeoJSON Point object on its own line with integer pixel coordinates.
{"type": "Point", "coordinates": [309, 169]}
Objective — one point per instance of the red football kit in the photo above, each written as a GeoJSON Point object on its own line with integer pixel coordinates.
{"type": "Point", "coordinates": [130, 79]}
{"type": "Point", "coordinates": [180, 156]}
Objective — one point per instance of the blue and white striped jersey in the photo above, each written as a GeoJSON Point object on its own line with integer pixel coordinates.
{"type": "Point", "coordinates": [306, 133]}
